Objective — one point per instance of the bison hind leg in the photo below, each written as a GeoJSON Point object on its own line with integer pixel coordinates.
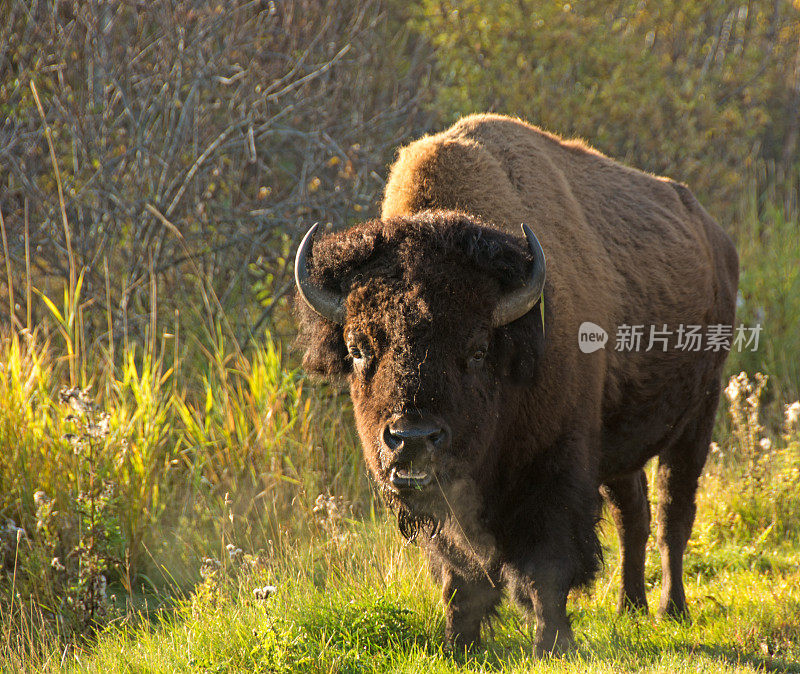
{"type": "Point", "coordinates": [627, 501]}
{"type": "Point", "coordinates": [679, 468]}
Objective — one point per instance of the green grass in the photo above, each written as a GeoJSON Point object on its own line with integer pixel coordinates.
{"type": "Point", "coordinates": [352, 596]}
{"type": "Point", "coordinates": [358, 600]}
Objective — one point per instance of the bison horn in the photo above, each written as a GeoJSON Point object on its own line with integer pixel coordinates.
{"type": "Point", "coordinates": [519, 302]}
{"type": "Point", "coordinates": [326, 303]}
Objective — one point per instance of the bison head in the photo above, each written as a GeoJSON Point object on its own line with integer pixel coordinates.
{"type": "Point", "coordinates": [427, 317]}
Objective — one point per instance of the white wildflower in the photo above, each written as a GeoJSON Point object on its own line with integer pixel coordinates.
{"type": "Point", "coordinates": [732, 389]}
{"type": "Point", "coordinates": [264, 593]}
{"type": "Point", "coordinates": [40, 499]}
{"type": "Point", "coordinates": [234, 553]}
{"type": "Point", "coordinates": [56, 564]}
{"type": "Point", "coordinates": [792, 414]}
{"type": "Point", "coordinates": [209, 567]}
{"type": "Point", "coordinates": [765, 444]}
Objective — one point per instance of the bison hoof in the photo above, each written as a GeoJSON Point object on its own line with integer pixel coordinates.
{"type": "Point", "coordinates": [673, 611]}
{"type": "Point", "coordinates": [554, 644]}
{"type": "Point", "coordinates": [632, 605]}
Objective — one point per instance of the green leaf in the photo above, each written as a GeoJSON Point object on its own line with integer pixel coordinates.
{"type": "Point", "coordinates": [50, 305]}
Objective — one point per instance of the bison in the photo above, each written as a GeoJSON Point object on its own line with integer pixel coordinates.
{"type": "Point", "coordinates": [486, 427]}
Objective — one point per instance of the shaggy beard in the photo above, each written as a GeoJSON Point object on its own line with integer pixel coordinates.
{"type": "Point", "coordinates": [412, 524]}
{"type": "Point", "coordinates": [412, 520]}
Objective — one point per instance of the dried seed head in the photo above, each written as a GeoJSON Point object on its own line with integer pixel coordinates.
{"type": "Point", "coordinates": [76, 442]}
{"type": "Point", "coordinates": [328, 507]}
{"type": "Point", "coordinates": [13, 531]}
{"type": "Point", "coordinates": [78, 399]}
{"type": "Point", "coordinates": [100, 429]}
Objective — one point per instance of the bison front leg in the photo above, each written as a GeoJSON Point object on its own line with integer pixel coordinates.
{"type": "Point", "coordinates": [466, 603]}
{"type": "Point", "coordinates": [545, 592]}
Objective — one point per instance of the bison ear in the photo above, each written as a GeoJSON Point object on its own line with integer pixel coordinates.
{"type": "Point", "coordinates": [322, 343]}
{"type": "Point", "coordinates": [525, 345]}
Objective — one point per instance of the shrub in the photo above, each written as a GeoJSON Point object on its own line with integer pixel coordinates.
{"type": "Point", "coordinates": [696, 91]}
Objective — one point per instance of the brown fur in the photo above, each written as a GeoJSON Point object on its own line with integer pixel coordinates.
{"type": "Point", "coordinates": [540, 425]}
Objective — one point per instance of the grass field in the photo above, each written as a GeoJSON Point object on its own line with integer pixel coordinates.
{"type": "Point", "coordinates": [359, 600]}
{"type": "Point", "coordinates": [175, 493]}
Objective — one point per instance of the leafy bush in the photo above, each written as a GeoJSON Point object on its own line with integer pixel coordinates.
{"type": "Point", "coordinates": [693, 90]}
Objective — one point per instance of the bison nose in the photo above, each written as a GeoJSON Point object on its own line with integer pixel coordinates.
{"type": "Point", "coordinates": [406, 438]}
{"type": "Point", "coordinates": [409, 445]}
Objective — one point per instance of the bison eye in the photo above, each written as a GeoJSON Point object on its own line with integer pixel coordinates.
{"type": "Point", "coordinates": [358, 349]}
{"type": "Point", "coordinates": [359, 352]}
{"type": "Point", "coordinates": [478, 356]}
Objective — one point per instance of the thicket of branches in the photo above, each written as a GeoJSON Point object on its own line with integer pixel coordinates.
{"type": "Point", "coordinates": [194, 142]}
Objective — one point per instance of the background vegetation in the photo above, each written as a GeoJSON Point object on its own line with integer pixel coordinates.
{"type": "Point", "coordinates": [710, 90]}
{"type": "Point", "coordinates": [161, 455]}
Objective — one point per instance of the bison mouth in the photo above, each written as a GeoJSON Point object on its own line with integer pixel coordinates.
{"type": "Point", "coordinates": [409, 478]}
{"type": "Point", "coordinates": [413, 494]}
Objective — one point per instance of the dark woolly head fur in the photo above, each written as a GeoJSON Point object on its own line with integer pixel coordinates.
{"type": "Point", "coordinates": [420, 290]}
{"type": "Point", "coordinates": [383, 248]}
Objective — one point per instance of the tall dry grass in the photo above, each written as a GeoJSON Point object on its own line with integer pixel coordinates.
{"type": "Point", "coordinates": [121, 484]}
